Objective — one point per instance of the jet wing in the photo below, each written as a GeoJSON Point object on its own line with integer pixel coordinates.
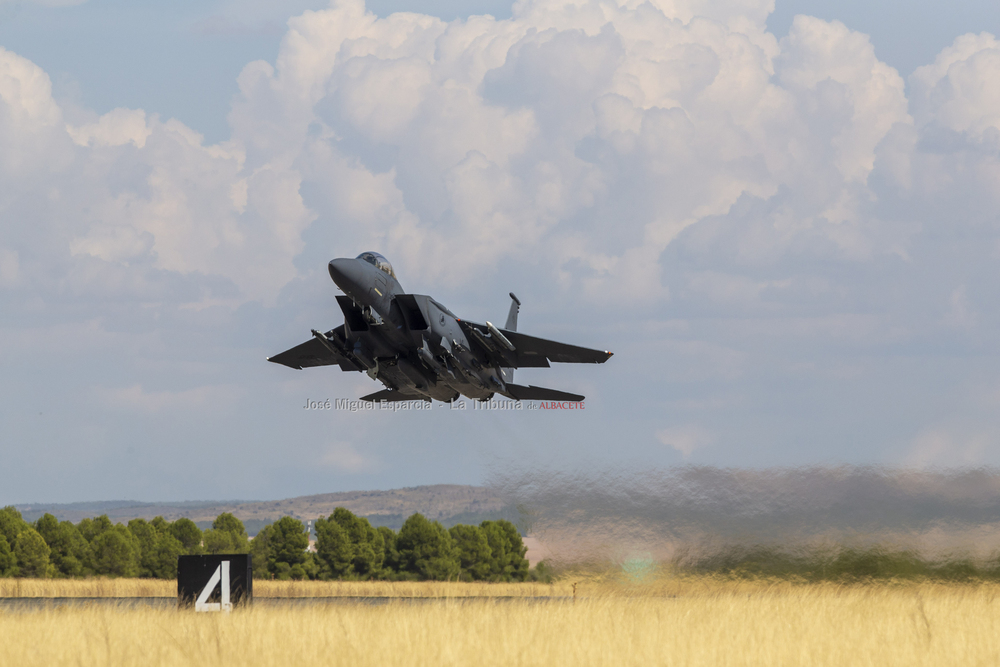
{"type": "Point", "coordinates": [314, 353]}
{"type": "Point", "coordinates": [528, 346]}
{"type": "Point", "coordinates": [532, 352]}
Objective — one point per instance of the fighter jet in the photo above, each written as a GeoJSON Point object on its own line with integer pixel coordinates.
{"type": "Point", "coordinates": [420, 350]}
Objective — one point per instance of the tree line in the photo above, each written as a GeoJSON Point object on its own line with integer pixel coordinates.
{"type": "Point", "coordinates": [347, 547]}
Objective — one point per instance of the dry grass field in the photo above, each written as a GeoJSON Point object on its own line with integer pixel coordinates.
{"type": "Point", "coordinates": [691, 621]}
{"type": "Point", "coordinates": [101, 587]}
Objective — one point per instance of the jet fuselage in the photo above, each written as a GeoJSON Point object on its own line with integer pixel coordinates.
{"type": "Point", "coordinates": [444, 347]}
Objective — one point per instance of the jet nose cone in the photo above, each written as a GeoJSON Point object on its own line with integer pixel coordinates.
{"type": "Point", "coordinates": [347, 274]}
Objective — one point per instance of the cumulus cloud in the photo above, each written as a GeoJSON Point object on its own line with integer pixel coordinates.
{"type": "Point", "coordinates": [115, 128]}
{"type": "Point", "coordinates": [591, 135]}
{"type": "Point", "coordinates": [586, 136]}
{"type": "Point", "coordinates": [953, 91]}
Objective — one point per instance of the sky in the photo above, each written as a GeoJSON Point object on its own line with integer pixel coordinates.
{"type": "Point", "coordinates": [783, 219]}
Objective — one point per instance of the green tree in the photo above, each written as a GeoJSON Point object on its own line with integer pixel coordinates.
{"type": "Point", "coordinates": [220, 542]}
{"type": "Point", "coordinates": [348, 546]}
{"type": "Point", "coordinates": [116, 552]}
{"type": "Point", "coordinates": [188, 534]}
{"type": "Point", "coordinates": [229, 523]}
{"type": "Point", "coordinates": [288, 541]}
{"type": "Point", "coordinates": [260, 553]}
{"type": "Point", "coordinates": [47, 525]}
{"type": "Point", "coordinates": [32, 554]}
{"type": "Point", "coordinates": [426, 550]}
{"type": "Point", "coordinates": [473, 551]}
{"type": "Point", "coordinates": [390, 565]}
{"type": "Point", "coordinates": [8, 561]}
{"type": "Point", "coordinates": [227, 536]}
{"type": "Point", "coordinates": [91, 528]}
{"type": "Point", "coordinates": [311, 566]}
{"type": "Point", "coordinates": [162, 563]}
{"type": "Point", "coordinates": [11, 524]}
{"type": "Point", "coordinates": [507, 561]}
{"type": "Point", "coordinates": [69, 551]}
{"type": "Point", "coordinates": [146, 537]}
{"type": "Point", "coordinates": [334, 550]}
{"type": "Point", "coordinates": [369, 547]}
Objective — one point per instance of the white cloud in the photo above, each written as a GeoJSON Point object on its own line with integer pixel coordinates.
{"type": "Point", "coordinates": [942, 447]}
{"type": "Point", "coordinates": [584, 138]}
{"type": "Point", "coordinates": [685, 439]}
{"type": "Point", "coordinates": [344, 457]}
{"type": "Point", "coordinates": [501, 133]}
{"type": "Point", "coordinates": [27, 93]}
{"type": "Point", "coordinates": [959, 90]}
{"type": "Point", "coordinates": [33, 141]}
{"type": "Point", "coordinates": [836, 79]}
{"type": "Point", "coordinates": [115, 128]}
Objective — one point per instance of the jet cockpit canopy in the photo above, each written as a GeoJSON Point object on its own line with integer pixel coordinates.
{"type": "Point", "coordinates": [379, 261]}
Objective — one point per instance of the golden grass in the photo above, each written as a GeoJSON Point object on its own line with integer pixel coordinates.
{"type": "Point", "coordinates": [717, 625]}
{"type": "Point", "coordinates": [86, 588]}
{"type": "Point", "coordinates": [99, 587]}
{"type": "Point", "coordinates": [586, 585]}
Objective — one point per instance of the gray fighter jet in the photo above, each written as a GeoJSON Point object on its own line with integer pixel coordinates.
{"type": "Point", "coordinates": [420, 350]}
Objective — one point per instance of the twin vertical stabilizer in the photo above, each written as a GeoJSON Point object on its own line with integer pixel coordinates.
{"type": "Point", "coordinates": [515, 305]}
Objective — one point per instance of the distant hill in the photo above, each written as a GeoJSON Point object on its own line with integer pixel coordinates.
{"type": "Point", "coordinates": [447, 503]}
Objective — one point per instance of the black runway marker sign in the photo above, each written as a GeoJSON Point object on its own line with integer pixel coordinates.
{"type": "Point", "coordinates": [214, 583]}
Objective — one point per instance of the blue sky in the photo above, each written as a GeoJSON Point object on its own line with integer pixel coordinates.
{"type": "Point", "coordinates": [786, 229]}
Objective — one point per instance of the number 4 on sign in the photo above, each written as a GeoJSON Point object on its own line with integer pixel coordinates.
{"type": "Point", "coordinates": [202, 603]}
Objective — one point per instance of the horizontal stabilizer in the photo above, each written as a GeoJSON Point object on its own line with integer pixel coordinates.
{"type": "Point", "coordinates": [390, 396]}
{"type": "Point", "coordinates": [533, 393]}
